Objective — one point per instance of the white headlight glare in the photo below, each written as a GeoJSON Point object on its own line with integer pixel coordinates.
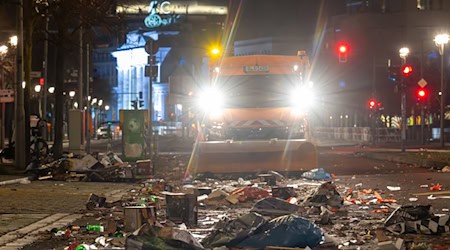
{"type": "Point", "coordinates": [302, 98]}
{"type": "Point", "coordinates": [211, 101]}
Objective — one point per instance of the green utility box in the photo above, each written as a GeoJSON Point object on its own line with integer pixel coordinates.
{"type": "Point", "coordinates": [133, 124]}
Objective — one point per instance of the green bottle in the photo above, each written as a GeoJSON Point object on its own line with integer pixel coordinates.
{"type": "Point", "coordinates": [96, 228]}
{"type": "Point", "coordinates": [118, 234]}
{"type": "Point", "coordinates": [80, 247]}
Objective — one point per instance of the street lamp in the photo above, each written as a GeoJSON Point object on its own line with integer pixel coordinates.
{"type": "Point", "coordinates": [37, 88]}
{"type": "Point", "coordinates": [51, 90]}
{"type": "Point", "coordinates": [13, 41]}
{"type": "Point", "coordinates": [3, 49]}
{"type": "Point", "coordinates": [441, 40]}
{"type": "Point", "coordinates": [106, 107]}
{"type": "Point", "coordinates": [71, 94]}
{"type": "Point", "coordinates": [403, 52]}
{"type": "Point", "coordinates": [215, 51]}
{"type": "Point", "coordinates": [100, 102]}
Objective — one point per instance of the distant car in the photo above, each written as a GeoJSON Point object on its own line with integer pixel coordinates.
{"type": "Point", "coordinates": [102, 133]}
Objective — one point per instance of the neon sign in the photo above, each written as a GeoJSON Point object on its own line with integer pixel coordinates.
{"type": "Point", "coordinates": [155, 18]}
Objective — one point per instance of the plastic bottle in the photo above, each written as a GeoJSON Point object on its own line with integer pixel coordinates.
{"type": "Point", "coordinates": [80, 247]}
{"type": "Point", "coordinates": [96, 228]}
{"type": "Point", "coordinates": [118, 234]}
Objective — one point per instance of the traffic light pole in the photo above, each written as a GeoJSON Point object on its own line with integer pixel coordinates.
{"type": "Point", "coordinates": [150, 105]}
{"type": "Point", "coordinates": [403, 107]}
{"type": "Point", "coordinates": [87, 113]}
{"type": "Point", "coordinates": [403, 111]}
{"type": "Point", "coordinates": [422, 124]}
{"type": "Point", "coordinates": [442, 134]}
{"type": "Point", "coordinates": [19, 119]}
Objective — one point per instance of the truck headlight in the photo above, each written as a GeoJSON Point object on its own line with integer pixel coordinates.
{"type": "Point", "coordinates": [211, 101]}
{"type": "Point", "coordinates": [302, 99]}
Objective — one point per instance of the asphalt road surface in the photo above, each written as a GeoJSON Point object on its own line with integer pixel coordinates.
{"type": "Point", "coordinates": [26, 205]}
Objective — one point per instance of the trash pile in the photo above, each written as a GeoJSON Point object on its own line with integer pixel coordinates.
{"type": "Point", "coordinates": [106, 167]}
{"type": "Point", "coordinates": [267, 212]}
{"type": "Point", "coordinates": [417, 219]}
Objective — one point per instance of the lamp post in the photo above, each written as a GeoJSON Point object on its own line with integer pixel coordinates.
{"type": "Point", "coordinates": [3, 52]}
{"type": "Point", "coordinates": [441, 40]}
{"type": "Point", "coordinates": [403, 52]}
{"type": "Point", "coordinates": [98, 113]}
{"type": "Point", "coordinates": [51, 91]}
{"type": "Point", "coordinates": [19, 108]}
{"type": "Point", "coordinates": [71, 95]}
{"type": "Point", "coordinates": [37, 89]}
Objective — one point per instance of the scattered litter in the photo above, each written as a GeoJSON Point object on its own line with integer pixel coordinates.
{"type": "Point", "coordinates": [391, 188]}
{"type": "Point", "coordinates": [167, 213]}
{"type": "Point", "coordinates": [293, 200]}
{"type": "Point", "coordinates": [283, 192]}
{"type": "Point", "coordinates": [416, 219]}
{"type": "Point", "coordinates": [326, 194]}
{"type": "Point", "coordinates": [284, 231]}
{"type": "Point", "coordinates": [95, 201]}
{"type": "Point", "coordinates": [432, 197]}
{"type": "Point", "coordinates": [436, 187]}
{"type": "Point", "coordinates": [274, 206]}
{"type": "Point", "coordinates": [445, 169]}
{"type": "Point", "coordinates": [250, 193]}
{"type": "Point", "coordinates": [317, 174]}
{"type": "Point", "coordinates": [381, 211]}
{"type": "Point", "coordinates": [230, 232]}
{"type": "Point", "coordinates": [381, 200]}
{"type": "Point", "coordinates": [24, 180]}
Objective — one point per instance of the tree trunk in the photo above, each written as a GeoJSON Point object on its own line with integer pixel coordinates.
{"type": "Point", "coordinates": [59, 100]}
{"type": "Point", "coordinates": [28, 49]}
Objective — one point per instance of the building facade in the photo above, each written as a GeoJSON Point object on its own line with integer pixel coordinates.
{"type": "Point", "coordinates": [374, 31]}
{"type": "Point", "coordinates": [132, 82]}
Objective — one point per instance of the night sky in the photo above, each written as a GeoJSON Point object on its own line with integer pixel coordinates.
{"type": "Point", "coordinates": [285, 18]}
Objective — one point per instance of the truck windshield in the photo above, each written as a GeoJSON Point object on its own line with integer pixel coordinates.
{"type": "Point", "coordinates": [257, 91]}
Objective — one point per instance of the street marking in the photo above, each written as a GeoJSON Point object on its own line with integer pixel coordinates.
{"type": "Point", "coordinates": [29, 234]}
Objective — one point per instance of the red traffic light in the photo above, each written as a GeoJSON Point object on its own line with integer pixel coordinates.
{"type": "Point", "coordinates": [342, 48]}
{"type": "Point", "coordinates": [41, 81]}
{"type": "Point", "coordinates": [372, 103]}
{"type": "Point", "coordinates": [421, 94]}
{"type": "Point", "coordinates": [407, 70]}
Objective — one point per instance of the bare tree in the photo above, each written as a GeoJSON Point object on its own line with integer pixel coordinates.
{"type": "Point", "coordinates": [67, 16]}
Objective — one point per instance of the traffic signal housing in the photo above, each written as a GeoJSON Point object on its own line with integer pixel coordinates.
{"type": "Point", "coordinates": [134, 104]}
{"type": "Point", "coordinates": [343, 52]}
{"type": "Point", "coordinates": [394, 73]}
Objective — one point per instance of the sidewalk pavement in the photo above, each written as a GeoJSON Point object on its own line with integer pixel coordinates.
{"type": "Point", "coordinates": [383, 147]}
